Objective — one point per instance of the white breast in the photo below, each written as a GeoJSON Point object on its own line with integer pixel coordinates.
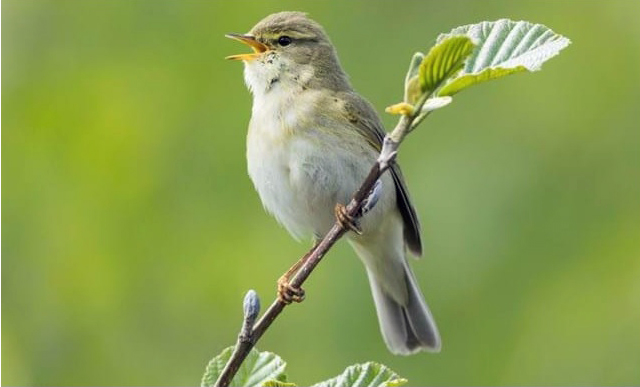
{"type": "Point", "coordinates": [282, 161]}
{"type": "Point", "coordinates": [300, 161]}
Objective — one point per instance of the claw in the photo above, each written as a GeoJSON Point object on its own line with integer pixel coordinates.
{"type": "Point", "coordinates": [288, 293]}
{"type": "Point", "coordinates": [346, 220]}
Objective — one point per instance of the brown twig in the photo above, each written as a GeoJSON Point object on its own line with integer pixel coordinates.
{"type": "Point", "coordinates": [387, 156]}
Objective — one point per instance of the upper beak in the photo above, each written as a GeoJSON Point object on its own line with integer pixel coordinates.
{"type": "Point", "coordinates": [258, 48]}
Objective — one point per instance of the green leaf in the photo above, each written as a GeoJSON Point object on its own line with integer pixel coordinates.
{"type": "Point", "coordinates": [257, 369]}
{"type": "Point", "coordinates": [412, 89]}
{"type": "Point", "coordinates": [444, 60]}
{"type": "Point", "coordinates": [414, 67]}
{"type": "Point", "coordinates": [503, 47]}
{"type": "Point", "coordinates": [435, 103]}
{"type": "Point", "coordinates": [365, 375]}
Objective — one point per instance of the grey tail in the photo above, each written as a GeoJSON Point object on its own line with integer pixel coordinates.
{"type": "Point", "coordinates": [408, 327]}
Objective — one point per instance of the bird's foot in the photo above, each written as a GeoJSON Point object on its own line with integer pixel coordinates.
{"type": "Point", "coordinates": [346, 220]}
{"type": "Point", "coordinates": [288, 293]}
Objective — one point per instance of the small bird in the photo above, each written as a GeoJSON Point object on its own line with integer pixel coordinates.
{"type": "Point", "coordinates": [311, 142]}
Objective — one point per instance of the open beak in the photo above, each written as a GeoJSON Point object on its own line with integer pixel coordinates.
{"type": "Point", "coordinates": [258, 48]}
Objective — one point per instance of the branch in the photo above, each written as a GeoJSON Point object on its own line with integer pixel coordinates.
{"type": "Point", "coordinates": [247, 339]}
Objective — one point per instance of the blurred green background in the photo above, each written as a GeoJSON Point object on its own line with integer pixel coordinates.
{"type": "Point", "coordinates": [131, 230]}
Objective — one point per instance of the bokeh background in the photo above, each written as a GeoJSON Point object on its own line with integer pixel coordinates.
{"type": "Point", "coordinates": [131, 230]}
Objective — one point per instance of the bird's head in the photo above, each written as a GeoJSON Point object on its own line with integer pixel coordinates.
{"type": "Point", "coordinates": [289, 49]}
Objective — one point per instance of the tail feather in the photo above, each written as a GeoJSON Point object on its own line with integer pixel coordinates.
{"type": "Point", "coordinates": [408, 327]}
{"type": "Point", "coordinates": [405, 320]}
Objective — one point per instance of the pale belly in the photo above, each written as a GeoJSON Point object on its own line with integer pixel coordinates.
{"type": "Point", "coordinates": [301, 177]}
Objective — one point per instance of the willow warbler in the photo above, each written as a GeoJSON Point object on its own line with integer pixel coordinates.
{"type": "Point", "coordinates": [311, 142]}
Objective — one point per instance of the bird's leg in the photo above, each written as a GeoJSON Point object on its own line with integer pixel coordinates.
{"type": "Point", "coordinates": [286, 292]}
{"type": "Point", "coordinates": [347, 221]}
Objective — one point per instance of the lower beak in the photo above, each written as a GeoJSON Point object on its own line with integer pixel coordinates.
{"type": "Point", "coordinates": [258, 48]}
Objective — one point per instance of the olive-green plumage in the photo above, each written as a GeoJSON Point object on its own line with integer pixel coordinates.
{"type": "Point", "coordinates": [311, 142]}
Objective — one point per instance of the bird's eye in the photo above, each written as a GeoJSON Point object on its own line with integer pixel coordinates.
{"type": "Point", "coordinates": [284, 41]}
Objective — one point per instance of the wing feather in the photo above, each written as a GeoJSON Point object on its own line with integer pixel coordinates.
{"type": "Point", "coordinates": [364, 118]}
